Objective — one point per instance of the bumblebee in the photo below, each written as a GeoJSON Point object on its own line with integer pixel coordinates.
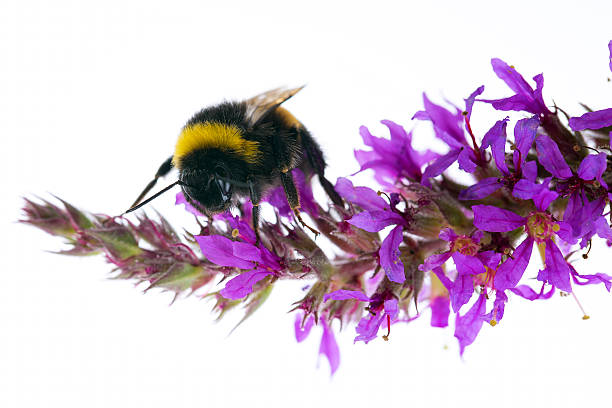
{"type": "Point", "coordinates": [241, 149]}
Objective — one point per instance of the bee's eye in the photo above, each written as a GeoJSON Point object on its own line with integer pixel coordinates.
{"type": "Point", "coordinates": [221, 171]}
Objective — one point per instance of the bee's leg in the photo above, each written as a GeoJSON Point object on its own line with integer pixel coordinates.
{"type": "Point", "coordinates": [293, 199]}
{"type": "Point", "coordinates": [317, 162]}
{"type": "Point", "coordinates": [255, 196]}
{"type": "Point", "coordinates": [161, 172]}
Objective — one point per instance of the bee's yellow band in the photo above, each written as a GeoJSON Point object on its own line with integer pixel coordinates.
{"type": "Point", "coordinates": [212, 135]}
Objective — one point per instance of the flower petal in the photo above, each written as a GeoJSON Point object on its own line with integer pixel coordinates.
{"type": "Point", "coordinates": [499, 306]}
{"type": "Point", "coordinates": [557, 270]}
{"type": "Point", "coordinates": [433, 261]}
{"type": "Point", "coordinates": [441, 164]}
{"type": "Point", "coordinates": [439, 311]}
{"type": "Point", "coordinates": [526, 292]}
{"type": "Point", "coordinates": [301, 332]}
{"type": "Point", "coordinates": [490, 259]}
{"type": "Point", "coordinates": [346, 294]}
{"type": "Point", "coordinates": [610, 48]}
{"type": "Point", "coordinates": [551, 158]}
{"type": "Point", "coordinates": [469, 102]}
{"type": "Point", "coordinates": [594, 279]}
{"type": "Point", "coordinates": [329, 347]}
{"type": "Point", "coordinates": [367, 328]}
{"type": "Point", "coordinates": [391, 308]}
{"type": "Point", "coordinates": [461, 292]}
{"type": "Point", "coordinates": [467, 160]}
{"type": "Point", "coordinates": [511, 77]}
{"type": "Point", "coordinates": [447, 125]}
{"type": "Point", "coordinates": [530, 170]}
{"type": "Point", "coordinates": [242, 285]}
{"type": "Point", "coordinates": [496, 138]}
{"type": "Point", "coordinates": [468, 326]}
{"type": "Point", "coordinates": [511, 271]}
{"type": "Point", "coordinates": [447, 234]}
{"type": "Point", "coordinates": [374, 221]}
{"type": "Point", "coordinates": [592, 167]}
{"type": "Point", "coordinates": [390, 256]}
{"type": "Point", "coordinates": [524, 135]}
{"type": "Point", "coordinates": [482, 189]}
{"type": "Point", "coordinates": [592, 120]}
{"type": "Point", "coordinates": [220, 250]}
{"type": "Point", "coordinates": [493, 219]}
{"type": "Point", "coordinates": [468, 265]}
{"type": "Point", "coordinates": [364, 197]}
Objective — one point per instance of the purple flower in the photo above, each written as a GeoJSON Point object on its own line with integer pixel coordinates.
{"type": "Point", "coordinates": [464, 250]}
{"type": "Point", "coordinates": [449, 127]}
{"type": "Point", "coordinates": [580, 214]}
{"type": "Point", "coordinates": [540, 228]}
{"type": "Point", "coordinates": [225, 252]}
{"type": "Point", "coordinates": [524, 135]}
{"type": "Point", "coordinates": [525, 98]}
{"type": "Point", "coordinates": [367, 329]}
{"type": "Point", "coordinates": [378, 214]}
{"type": "Point", "coordinates": [392, 159]}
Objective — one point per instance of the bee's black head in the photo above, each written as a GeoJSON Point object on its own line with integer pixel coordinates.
{"type": "Point", "coordinates": [210, 186]}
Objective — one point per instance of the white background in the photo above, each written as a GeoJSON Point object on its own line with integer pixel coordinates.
{"type": "Point", "coordinates": [92, 96]}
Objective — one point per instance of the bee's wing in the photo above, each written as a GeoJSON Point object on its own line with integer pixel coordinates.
{"type": "Point", "coordinates": [260, 105]}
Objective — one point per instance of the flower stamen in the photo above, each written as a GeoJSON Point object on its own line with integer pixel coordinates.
{"type": "Point", "coordinates": [386, 336]}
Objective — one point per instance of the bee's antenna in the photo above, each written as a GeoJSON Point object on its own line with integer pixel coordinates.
{"type": "Point", "coordinates": [153, 197]}
{"type": "Point", "coordinates": [161, 172]}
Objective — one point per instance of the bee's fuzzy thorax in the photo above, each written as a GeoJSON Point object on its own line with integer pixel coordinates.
{"type": "Point", "coordinates": [214, 135]}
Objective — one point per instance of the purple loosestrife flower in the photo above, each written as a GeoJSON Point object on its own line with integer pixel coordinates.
{"type": "Point", "coordinates": [541, 229]}
{"type": "Point", "coordinates": [583, 216]}
{"type": "Point", "coordinates": [449, 127]}
{"type": "Point", "coordinates": [377, 215]}
{"type": "Point", "coordinates": [470, 262]}
{"type": "Point", "coordinates": [392, 159]}
{"type": "Point", "coordinates": [430, 225]}
{"type": "Point", "coordinates": [259, 262]}
{"type": "Point", "coordinates": [525, 98]}
{"type": "Point", "coordinates": [382, 307]}
{"type": "Point", "coordinates": [524, 135]}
